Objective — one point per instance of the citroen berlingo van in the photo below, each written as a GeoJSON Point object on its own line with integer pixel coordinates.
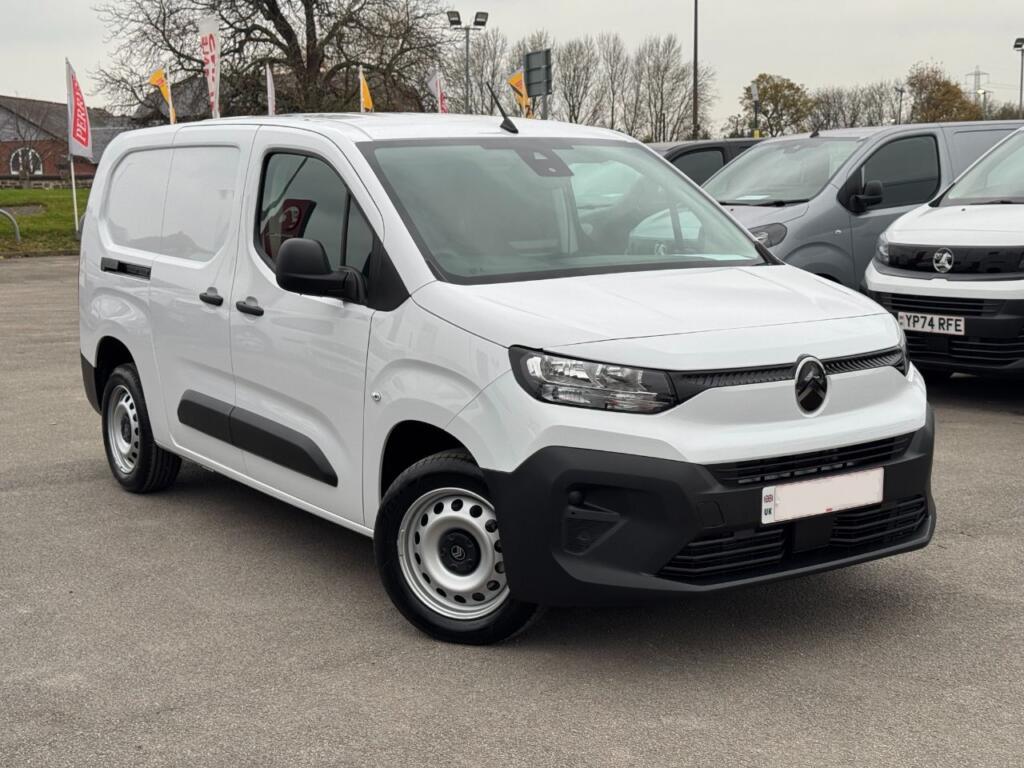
{"type": "Point", "coordinates": [952, 271]}
{"type": "Point", "coordinates": [532, 360]}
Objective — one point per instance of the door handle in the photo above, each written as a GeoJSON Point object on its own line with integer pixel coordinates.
{"type": "Point", "coordinates": [210, 296]}
{"type": "Point", "coordinates": [249, 307]}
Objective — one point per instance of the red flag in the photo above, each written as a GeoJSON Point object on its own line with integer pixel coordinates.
{"type": "Point", "coordinates": [79, 130]}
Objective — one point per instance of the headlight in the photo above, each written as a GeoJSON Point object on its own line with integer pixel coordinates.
{"type": "Point", "coordinates": [586, 384]}
{"type": "Point", "coordinates": [882, 249]}
{"type": "Point", "coordinates": [769, 235]}
{"type": "Point", "coordinates": [904, 366]}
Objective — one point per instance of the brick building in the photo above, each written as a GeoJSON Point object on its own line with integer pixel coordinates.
{"type": "Point", "coordinates": [34, 144]}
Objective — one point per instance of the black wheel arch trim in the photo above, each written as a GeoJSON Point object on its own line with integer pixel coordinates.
{"type": "Point", "coordinates": [255, 434]}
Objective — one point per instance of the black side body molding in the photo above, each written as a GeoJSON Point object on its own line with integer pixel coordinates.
{"type": "Point", "coordinates": [124, 268]}
{"type": "Point", "coordinates": [256, 434]}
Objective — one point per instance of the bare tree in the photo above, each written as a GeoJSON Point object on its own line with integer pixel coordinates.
{"type": "Point", "coordinates": [315, 45]}
{"type": "Point", "coordinates": [614, 73]}
{"type": "Point", "coordinates": [666, 86]}
{"type": "Point", "coordinates": [580, 86]}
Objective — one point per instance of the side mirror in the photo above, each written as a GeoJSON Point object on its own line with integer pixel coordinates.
{"type": "Point", "coordinates": [872, 194]}
{"type": "Point", "coordinates": [302, 267]}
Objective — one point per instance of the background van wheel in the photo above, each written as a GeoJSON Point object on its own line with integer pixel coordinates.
{"type": "Point", "coordinates": [438, 550]}
{"type": "Point", "coordinates": [138, 463]}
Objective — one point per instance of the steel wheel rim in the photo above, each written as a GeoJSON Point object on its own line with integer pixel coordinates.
{"type": "Point", "coordinates": [123, 429]}
{"type": "Point", "coordinates": [435, 528]}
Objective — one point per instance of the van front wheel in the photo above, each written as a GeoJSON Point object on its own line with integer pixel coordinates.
{"type": "Point", "coordinates": [137, 462]}
{"type": "Point", "coordinates": [438, 550]}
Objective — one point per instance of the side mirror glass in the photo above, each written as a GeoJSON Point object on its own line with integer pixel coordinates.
{"type": "Point", "coordinates": [302, 266]}
{"type": "Point", "coordinates": [872, 194]}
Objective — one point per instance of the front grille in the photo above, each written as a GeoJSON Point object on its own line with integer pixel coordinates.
{"type": "Point", "coordinates": [801, 465]}
{"type": "Point", "coordinates": [966, 260]}
{"type": "Point", "coordinates": [878, 526]}
{"type": "Point", "coordinates": [938, 305]}
{"type": "Point", "coordinates": [690, 383]}
{"type": "Point", "coordinates": [721, 557]}
{"type": "Point", "coordinates": [977, 351]}
{"type": "Point", "coordinates": [721, 554]}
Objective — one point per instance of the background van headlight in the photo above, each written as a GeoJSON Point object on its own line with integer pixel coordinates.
{"type": "Point", "coordinates": [882, 249]}
{"type": "Point", "coordinates": [769, 235]}
{"type": "Point", "coordinates": [586, 384]}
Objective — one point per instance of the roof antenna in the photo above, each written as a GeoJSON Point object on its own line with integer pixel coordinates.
{"type": "Point", "coordinates": [506, 123]}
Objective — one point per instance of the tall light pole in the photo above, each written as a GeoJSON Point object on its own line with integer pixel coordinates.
{"type": "Point", "coordinates": [983, 95]}
{"type": "Point", "coordinates": [696, 110]}
{"type": "Point", "coordinates": [479, 22]}
{"type": "Point", "coordinates": [899, 107]}
{"type": "Point", "coordinates": [1018, 45]}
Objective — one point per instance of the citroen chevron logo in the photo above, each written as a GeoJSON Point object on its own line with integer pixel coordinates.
{"type": "Point", "coordinates": [811, 385]}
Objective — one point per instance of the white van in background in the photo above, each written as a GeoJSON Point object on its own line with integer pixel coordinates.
{"type": "Point", "coordinates": [952, 271]}
{"type": "Point", "coordinates": [532, 360]}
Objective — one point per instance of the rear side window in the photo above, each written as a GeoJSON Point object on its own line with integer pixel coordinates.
{"type": "Point", "coordinates": [302, 196]}
{"type": "Point", "coordinates": [701, 165]}
{"type": "Point", "coordinates": [908, 169]}
{"type": "Point", "coordinates": [135, 202]}
{"type": "Point", "coordinates": [200, 201]}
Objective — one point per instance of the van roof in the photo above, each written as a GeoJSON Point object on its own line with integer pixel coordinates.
{"type": "Point", "coordinates": [874, 130]}
{"type": "Point", "coordinates": [379, 126]}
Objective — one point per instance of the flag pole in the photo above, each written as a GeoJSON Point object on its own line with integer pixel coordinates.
{"type": "Point", "coordinates": [74, 192]}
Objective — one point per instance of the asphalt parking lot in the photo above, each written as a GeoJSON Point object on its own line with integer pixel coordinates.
{"type": "Point", "coordinates": [211, 625]}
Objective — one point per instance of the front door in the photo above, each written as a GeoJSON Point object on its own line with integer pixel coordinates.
{"type": "Point", "coordinates": [299, 361]}
{"type": "Point", "coordinates": [909, 171]}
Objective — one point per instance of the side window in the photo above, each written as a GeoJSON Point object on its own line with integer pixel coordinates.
{"type": "Point", "coordinates": [700, 165]}
{"type": "Point", "coordinates": [135, 202]}
{"type": "Point", "coordinates": [304, 197]}
{"type": "Point", "coordinates": [200, 201]}
{"type": "Point", "coordinates": [908, 169]}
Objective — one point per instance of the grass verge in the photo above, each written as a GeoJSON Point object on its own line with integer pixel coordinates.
{"type": "Point", "coordinates": [46, 220]}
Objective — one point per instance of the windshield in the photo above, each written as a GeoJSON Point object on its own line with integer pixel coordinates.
{"type": "Point", "coordinates": [997, 178]}
{"type": "Point", "coordinates": [780, 172]}
{"type": "Point", "coordinates": [487, 210]}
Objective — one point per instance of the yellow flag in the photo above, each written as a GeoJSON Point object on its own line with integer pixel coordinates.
{"type": "Point", "coordinates": [365, 99]}
{"type": "Point", "coordinates": [518, 83]}
{"type": "Point", "coordinates": [159, 80]}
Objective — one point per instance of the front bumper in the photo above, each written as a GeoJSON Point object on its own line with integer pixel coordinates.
{"type": "Point", "coordinates": [585, 527]}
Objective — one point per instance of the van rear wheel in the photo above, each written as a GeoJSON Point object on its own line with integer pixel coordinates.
{"type": "Point", "coordinates": [438, 550]}
{"type": "Point", "coordinates": [136, 461]}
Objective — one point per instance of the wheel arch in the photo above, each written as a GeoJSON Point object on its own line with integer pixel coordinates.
{"type": "Point", "coordinates": [407, 442]}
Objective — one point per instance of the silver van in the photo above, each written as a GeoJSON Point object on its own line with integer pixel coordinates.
{"type": "Point", "coordinates": [819, 201]}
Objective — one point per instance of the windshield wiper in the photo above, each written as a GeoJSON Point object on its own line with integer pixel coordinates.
{"type": "Point", "coordinates": [764, 203]}
{"type": "Point", "coordinates": [999, 201]}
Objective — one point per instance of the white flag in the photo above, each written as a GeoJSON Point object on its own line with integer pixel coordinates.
{"type": "Point", "coordinates": [79, 130]}
{"type": "Point", "coordinates": [271, 94]}
{"type": "Point", "coordinates": [209, 43]}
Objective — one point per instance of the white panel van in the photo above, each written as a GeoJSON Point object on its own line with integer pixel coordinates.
{"type": "Point", "coordinates": [532, 360]}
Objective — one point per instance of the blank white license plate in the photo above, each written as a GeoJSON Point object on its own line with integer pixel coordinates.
{"type": "Point", "coordinates": [945, 324]}
{"type": "Point", "coordinates": [821, 496]}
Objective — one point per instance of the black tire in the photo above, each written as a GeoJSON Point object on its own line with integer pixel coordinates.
{"type": "Point", "coordinates": [450, 469]}
{"type": "Point", "coordinates": [151, 467]}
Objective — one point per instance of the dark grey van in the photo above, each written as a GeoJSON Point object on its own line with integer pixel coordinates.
{"type": "Point", "coordinates": [819, 201]}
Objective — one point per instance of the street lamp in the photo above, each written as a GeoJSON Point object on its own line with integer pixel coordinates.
{"type": "Point", "coordinates": [983, 94]}
{"type": "Point", "coordinates": [479, 22]}
{"type": "Point", "coordinates": [1018, 45]}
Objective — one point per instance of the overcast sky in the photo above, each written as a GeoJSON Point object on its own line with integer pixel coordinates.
{"type": "Point", "coordinates": [814, 42]}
